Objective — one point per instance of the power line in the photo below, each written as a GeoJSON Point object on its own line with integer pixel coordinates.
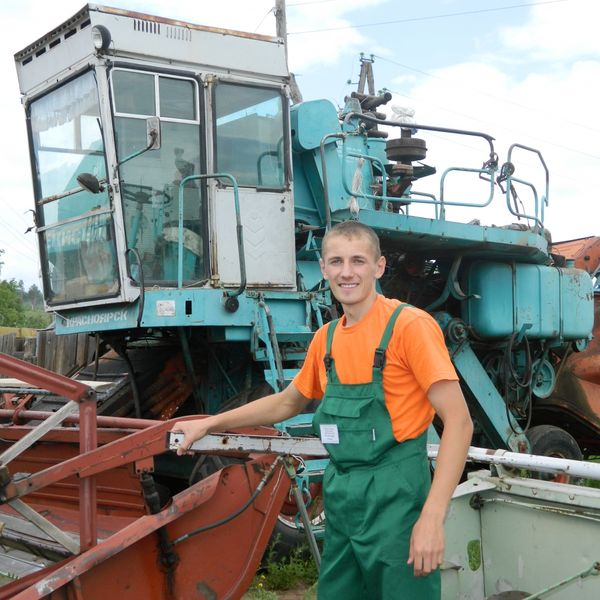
{"type": "Point", "coordinates": [263, 19]}
{"type": "Point", "coordinates": [24, 245]}
{"type": "Point", "coordinates": [586, 126]}
{"type": "Point", "coordinates": [428, 18]}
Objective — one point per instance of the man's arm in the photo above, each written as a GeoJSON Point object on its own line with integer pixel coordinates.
{"type": "Point", "coordinates": [264, 411]}
{"type": "Point", "coordinates": [427, 540]}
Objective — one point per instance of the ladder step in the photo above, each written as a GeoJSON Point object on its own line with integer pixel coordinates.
{"type": "Point", "coordinates": [288, 375]}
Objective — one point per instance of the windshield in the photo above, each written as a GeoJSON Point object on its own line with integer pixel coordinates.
{"type": "Point", "coordinates": [77, 241]}
{"type": "Point", "coordinates": [150, 182]}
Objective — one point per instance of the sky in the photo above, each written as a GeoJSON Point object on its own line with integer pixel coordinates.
{"type": "Point", "coordinates": [523, 72]}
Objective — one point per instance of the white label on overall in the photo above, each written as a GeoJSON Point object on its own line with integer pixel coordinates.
{"type": "Point", "coordinates": [329, 434]}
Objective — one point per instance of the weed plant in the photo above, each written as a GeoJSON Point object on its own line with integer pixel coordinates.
{"type": "Point", "coordinates": [297, 570]}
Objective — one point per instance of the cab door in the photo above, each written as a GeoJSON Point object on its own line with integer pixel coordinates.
{"type": "Point", "coordinates": [251, 143]}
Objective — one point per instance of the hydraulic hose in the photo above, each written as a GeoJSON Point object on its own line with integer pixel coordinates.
{"type": "Point", "coordinates": [259, 488]}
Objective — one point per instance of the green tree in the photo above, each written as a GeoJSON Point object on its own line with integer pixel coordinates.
{"type": "Point", "coordinates": [11, 307]}
{"type": "Point", "coordinates": [36, 319]}
{"type": "Point", "coordinates": [33, 298]}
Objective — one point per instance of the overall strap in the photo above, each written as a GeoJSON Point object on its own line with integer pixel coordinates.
{"type": "Point", "coordinates": [327, 359]}
{"type": "Point", "coordinates": [379, 358]}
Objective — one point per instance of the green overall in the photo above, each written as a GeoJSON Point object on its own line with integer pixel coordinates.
{"type": "Point", "coordinates": [374, 489]}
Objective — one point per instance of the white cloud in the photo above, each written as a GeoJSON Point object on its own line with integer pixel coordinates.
{"type": "Point", "coordinates": [560, 31]}
{"type": "Point", "coordinates": [550, 107]}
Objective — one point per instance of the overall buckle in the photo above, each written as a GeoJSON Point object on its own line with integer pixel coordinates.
{"type": "Point", "coordinates": [379, 359]}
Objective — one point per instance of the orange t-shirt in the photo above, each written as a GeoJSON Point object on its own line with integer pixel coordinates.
{"type": "Point", "coordinates": [415, 359]}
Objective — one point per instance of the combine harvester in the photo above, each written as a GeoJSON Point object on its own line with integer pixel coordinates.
{"type": "Point", "coordinates": [180, 206]}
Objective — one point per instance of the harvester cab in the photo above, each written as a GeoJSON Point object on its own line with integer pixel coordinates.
{"type": "Point", "coordinates": [150, 139]}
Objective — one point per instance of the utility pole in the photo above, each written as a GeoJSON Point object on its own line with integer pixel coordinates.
{"type": "Point", "coordinates": [281, 32]}
{"type": "Point", "coordinates": [281, 24]}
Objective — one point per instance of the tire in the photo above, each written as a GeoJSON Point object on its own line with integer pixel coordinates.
{"type": "Point", "coordinates": [287, 536]}
{"type": "Point", "coordinates": [549, 440]}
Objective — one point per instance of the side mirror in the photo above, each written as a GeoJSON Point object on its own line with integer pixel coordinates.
{"type": "Point", "coordinates": [90, 183]}
{"type": "Point", "coordinates": [153, 133]}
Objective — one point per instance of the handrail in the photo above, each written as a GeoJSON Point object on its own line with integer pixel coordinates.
{"type": "Point", "coordinates": [369, 119]}
{"type": "Point", "coordinates": [327, 205]}
{"type": "Point", "coordinates": [509, 179]}
{"type": "Point", "coordinates": [443, 203]}
{"type": "Point", "coordinates": [535, 218]}
{"type": "Point", "coordinates": [374, 159]}
{"type": "Point", "coordinates": [239, 230]}
{"type": "Point", "coordinates": [491, 164]}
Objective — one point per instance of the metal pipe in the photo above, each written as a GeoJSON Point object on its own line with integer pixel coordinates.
{"type": "Point", "coordinates": [273, 352]}
{"type": "Point", "coordinates": [44, 525]}
{"type": "Point", "coordinates": [444, 202]}
{"type": "Point", "coordinates": [326, 204]}
{"type": "Point", "coordinates": [369, 119]}
{"type": "Point", "coordinates": [306, 446]}
{"type": "Point", "coordinates": [308, 530]}
{"type": "Point", "coordinates": [373, 159]}
{"type": "Point", "coordinates": [239, 230]}
{"type": "Point", "coordinates": [38, 432]}
{"type": "Point", "coordinates": [535, 151]}
{"type": "Point", "coordinates": [141, 283]}
{"type": "Point", "coordinates": [55, 197]}
{"type": "Point", "coordinates": [542, 464]}
{"type": "Point", "coordinates": [153, 134]}
{"type": "Point", "coordinates": [88, 441]}
{"type": "Point", "coordinates": [42, 378]}
{"type": "Point", "coordinates": [102, 421]}
{"type": "Point", "coordinates": [593, 570]}
{"type": "Point", "coordinates": [535, 218]}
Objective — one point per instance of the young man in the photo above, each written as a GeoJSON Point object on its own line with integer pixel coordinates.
{"type": "Point", "coordinates": [381, 372]}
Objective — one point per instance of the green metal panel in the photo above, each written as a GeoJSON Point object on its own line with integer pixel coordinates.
{"type": "Point", "coordinates": [551, 302]}
{"type": "Point", "coordinates": [311, 121]}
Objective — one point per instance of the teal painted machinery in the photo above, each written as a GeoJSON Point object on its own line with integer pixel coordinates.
{"type": "Point", "coordinates": [181, 204]}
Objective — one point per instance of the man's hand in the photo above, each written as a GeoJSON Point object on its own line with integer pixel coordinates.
{"type": "Point", "coordinates": [192, 431]}
{"type": "Point", "coordinates": [426, 550]}
{"type": "Point", "coordinates": [427, 539]}
{"type": "Point", "coordinates": [264, 411]}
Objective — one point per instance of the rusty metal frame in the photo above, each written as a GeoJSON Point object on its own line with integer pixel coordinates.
{"type": "Point", "coordinates": [129, 441]}
{"type": "Point", "coordinates": [77, 393]}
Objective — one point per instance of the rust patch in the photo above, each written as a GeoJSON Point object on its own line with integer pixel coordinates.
{"type": "Point", "coordinates": [184, 24]}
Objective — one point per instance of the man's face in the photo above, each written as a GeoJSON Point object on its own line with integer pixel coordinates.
{"type": "Point", "coordinates": [351, 267]}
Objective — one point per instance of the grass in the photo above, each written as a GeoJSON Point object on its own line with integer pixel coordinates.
{"type": "Point", "coordinates": [592, 482]}
{"type": "Point", "coordinates": [295, 572]}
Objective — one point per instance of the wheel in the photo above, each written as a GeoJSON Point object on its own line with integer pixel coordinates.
{"type": "Point", "coordinates": [549, 440]}
{"type": "Point", "coordinates": [287, 536]}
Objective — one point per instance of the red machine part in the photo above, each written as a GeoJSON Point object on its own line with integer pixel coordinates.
{"type": "Point", "coordinates": [577, 391]}
{"type": "Point", "coordinates": [584, 251]}
{"type": "Point", "coordinates": [129, 560]}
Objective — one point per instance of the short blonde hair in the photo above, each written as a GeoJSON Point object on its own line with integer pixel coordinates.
{"type": "Point", "coordinates": [353, 229]}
